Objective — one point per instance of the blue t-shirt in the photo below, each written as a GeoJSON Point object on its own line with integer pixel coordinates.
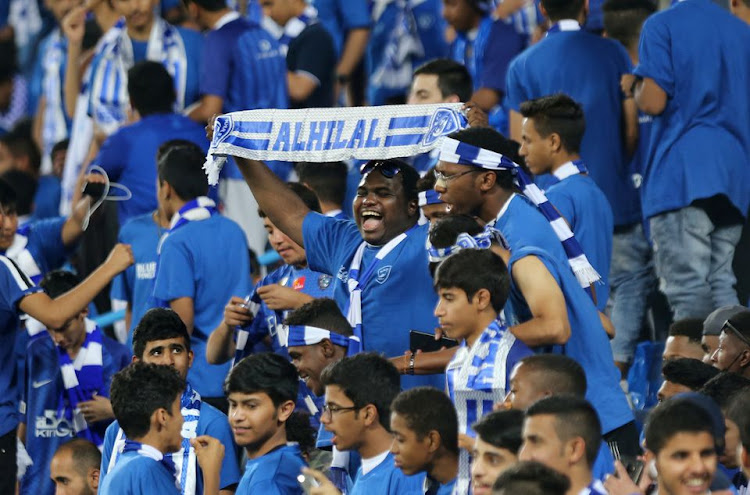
{"type": "Point", "coordinates": [44, 243]}
{"type": "Point", "coordinates": [587, 211]}
{"type": "Point", "coordinates": [341, 16]}
{"type": "Point", "coordinates": [129, 157]}
{"type": "Point", "coordinates": [468, 48]}
{"type": "Point", "coordinates": [136, 284]}
{"type": "Point", "coordinates": [387, 479]}
{"type": "Point", "coordinates": [587, 68]}
{"type": "Point", "coordinates": [588, 343]}
{"type": "Point", "coordinates": [211, 422]}
{"type": "Point", "coordinates": [706, 108]}
{"type": "Point", "coordinates": [208, 262]}
{"type": "Point", "coordinates": [135, 474]}
{"type": "Point", "coordinates": [396, 299]}
{"type": "Point", "coordinates": [47, 198]}
{"type": "Point", "coordinates": [274, 473]}
{"type": "Point", "coordinates": [14, 286]}
{"type": "Point", "coordinates": [43, 386]}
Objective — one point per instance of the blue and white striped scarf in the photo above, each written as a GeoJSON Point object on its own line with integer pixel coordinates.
{"type": "Point", "coordinates": [453, 151]}
{"type": "Point", "coordinates": [302, 335]}
{"type": "Point", "coordinates": [482, 240]}
{"type": "Point", "coordinates": [568, 169]}
{"type": "Point", "coordinates": [150, 452]}
{"type": "Point", "coordinates": [109, 102]}
{"type": "Point", "coordinates": [184, 462]}
{"type": "Point", "coordinates": [18, 102]}
{"type": "Point", "coordinates": [429, 197]}
{"type": "Point", "coordinates": [26, 20]}
{"type": "Point", "coordinates": [241, 335]}
{"type": "Point", "coordinates": [292, 29]}
{"type": "Point", "coordinates": [396, 69]}
{"type": "Point", "coordinates": [82, 379]}
{"type": "Point", "coordinates": [19, 252]}
{"type": "Point", "coordinates": [54, 122]}
{"type": "Point", "coordinates": [476, 379]}
{"type": "Point", "coordinates": [81, 134]}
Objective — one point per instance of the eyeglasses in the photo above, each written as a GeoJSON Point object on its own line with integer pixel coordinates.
{"type": "Point", "coordinates": [729, 328]}
{"type": "Point", "coordinates": [388, 169]}
{"type": "Point", "coordinates": [441, 177]}
{"type": "Point", "coordinates": [333, 409]}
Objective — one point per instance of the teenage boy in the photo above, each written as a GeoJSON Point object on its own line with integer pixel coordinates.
{"type": "Point", "coordinates": [261, 390]}
{"type": "Point", "coordinates": [495, 448]}
{"type": "Point", "coordinates": [473, 287]}
{"type": "Point", "coordinates": [551, 135]}
{"type": "Point", "coordinates": [162, 338]}
{"type": "Point", "coordinates": [425, 439]}
{"type": "Point", "coordinates": [66, 387]}
{"type": "Point", "coordinates": [531, 478]}
{"type": "Point", "coordinates": [684, 340]}
{"type": "Point", "coordinates": [564, 433]}
{"type": "Point", "coordinates": [146, 401]}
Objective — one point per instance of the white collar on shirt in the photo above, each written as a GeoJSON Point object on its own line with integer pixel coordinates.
{"type": "Point", "coordinates": [373, 462]}
{"type": "Point", "coordinates": [505, 207]}
{"type": "Point", "coordinates": [333, 213]}
{"type": "Point", "coordinates": [226, 19]}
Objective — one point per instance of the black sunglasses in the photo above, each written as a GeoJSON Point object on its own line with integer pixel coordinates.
{"type": "Point", "coordinates": [388, 169]}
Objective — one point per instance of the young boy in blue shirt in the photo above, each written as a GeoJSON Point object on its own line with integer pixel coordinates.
{"type": "Point", "coordinates": [146, 402]}
{"type": "Point", "coordinates": [551, 136]}
{"type": "Point", "coordinates": [161, 338]}
{"type": "Point", "coordinates": [261, 390]}
{"type": "Point", "coordinates": [473, 286]}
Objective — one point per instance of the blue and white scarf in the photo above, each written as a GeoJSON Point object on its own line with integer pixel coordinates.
{"type": "Point", "coordinates": [150, 452]}
{"type": "Point", "coordinates": [293, 27]}
{"type": "Point", "coordinates": [563, 25]}
{"type": "Point", "coordinates": [429, 197]}
{"type": "Point", "coordinates": [453, 151]}
{"type": "Point", "coordinates": [302, 335]}
{"type": "Point", "coordinates": [403, 46]}
{"type": "Point", "coordinates": [109, 102]}
{"type": "Point", "coordinates": [81, 134]}
{"type": "Point", "coordinates": [18, 102]}
{"type": "Point", "coordinates": [184, 462]}
{"type": "Point", "coordinates": [19, 252]}
{"type": "Point", "coordinates": [482, 240]}
{"type": "Point", "coordinates": [568, 169]}
{"type": "Point", "coordinates": [476, 380]}
{"type": "Point", "coordinates": [82, 379]}
{"type": "Point", "coordinates": [241, 335]}
{"type": "Point", "coordinates": [26, 20]}
{"type": "Point", "coordinates": [331, 134]}
{"type": "Point", "coordinates": [54, 122]}
{"type": "Point", "coordinates": [357, 281]}
{"type": "Point", "coordinates": [596, 487]}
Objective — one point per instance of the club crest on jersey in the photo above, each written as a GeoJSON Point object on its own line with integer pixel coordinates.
{"type": "Point", "coordinates": [382, 274]}
{"type": "Point", "coordinates": [324, 281]}
{"type": "Point", "coordinates": [443, 122]}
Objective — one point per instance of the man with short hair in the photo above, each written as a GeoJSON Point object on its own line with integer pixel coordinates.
{"type": "Point", "coordinates": [161, 337]}
{"type": "Point", "coordinates": [712, 326]}
{"type": "Point", "coordinates": [75, 468]}
{"type": "Point", "coordinates": [425, 438]}
{"type": "Point", "coordinates": [733, 353]}
{"type": "Point", "coordinates": [531, 478]}
{"type": "Point", "coordinates": [495, 448]}
{"type": "Point", "coordinates": [328, 182]}
{"type": "Point", "coordinates": [684, 375]}
{"type": "Point", "coordinates": [684, 340]}
{"type": "Point", "coordinates": [544, 375]}
{"type": "Point", "coordinates": [564, 433]}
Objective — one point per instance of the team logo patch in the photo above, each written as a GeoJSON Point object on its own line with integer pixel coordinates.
{"type": "Point", "coordinates": [324, 281]}
{"type": "Point", "coordinates": [382, 274]}
{"type": "Point", "coordinates": [223, 127]}
{"type": "Point", "coordinates": [443, 122]}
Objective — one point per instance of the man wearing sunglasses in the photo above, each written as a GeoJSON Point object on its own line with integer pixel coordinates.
{"type": "Point", "coordinates": [733, 353]}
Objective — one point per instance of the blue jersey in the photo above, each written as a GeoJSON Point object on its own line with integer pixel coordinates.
{"type": "Point", "coordinates": [587, 68]}
{"type": "Point", "coordinates": [274, 473]}
{"type": "Point", "coordinates": [38, 248]}
{"type": "Point", "coordinates": [14, 286]}
{"type": "Point", "coordinates": [47, 198]}
{"type": "Point", "coordinates": [387, 479]}
{"type": "Point", "coordinates": [208, 262]}
{"type": "Point", "coordinates": [129, 157]}
{"type": "Point", "coordinates": [341, 16]}
{"type": "Point", "coordinates": [705, 109]}
{"type": "Point", "coordinates": [136, 284]}
{"type": "Point", "coordinates": [46, 427]}
{"type": "Point", "coordinates": [588, 343]}
{"type": "Point", "coordinates": [397, 299]}
{"type": "Point", "coordinates": [468, 49]}
{"type": "Point", "coordinates": [587, 211]}
{"type": "Point", "coordinates": [135, 474]}
{"type": "Point", "coordinates": [211, 422]}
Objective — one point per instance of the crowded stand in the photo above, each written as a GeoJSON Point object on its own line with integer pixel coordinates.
{"type": "Point", "coordinates": [374, 247]}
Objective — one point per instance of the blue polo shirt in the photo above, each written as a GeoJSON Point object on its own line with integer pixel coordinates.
{"type": "Point", "coordinates": [698, 54]}
{"type": "Point", "coordinates": [341, 16]}
{"type": "Point", "coordinates": [208, 262]}
{"type": "Point", "coordinates": [137, 474]}
{"type": "Point", "coordinates": [587, 68]}
{"type": "Point", "coordinates": [468, 48]}
{"type": "Point", "coordinates": [274, 473]}
{"type": "Point", "coordinates": [129, 157]}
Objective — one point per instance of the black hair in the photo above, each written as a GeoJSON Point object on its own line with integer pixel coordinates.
{"type": "Point", "coordinates": [623, 19]}
{"type": "Point", "coordinates": [562, 9]}
{"type": "Point", "coordinates": [20, 143]}
{"type": "Point", "coordinates": [8, 198]}
{"type": "Point", "coordinates": [452, 77]}
{"type": "Point", "coordinates": [723, 387]}
{"type": "Point", "coordinates": [562, 373]}
{"type": "Point", "coordinates": [151, 88]}
{"type": "Point", "coordinates": [531, 478]}
{"type": "Point", "coordinates": [439, 416]}
{"type": "Point", "coordinates": [327, 180]}
{"type": "Point", "coordinates": [427, 181]}
{"type": "Point", "coordinates": [84, 453]}
{"type": "Point", "coordinates": [254, 263]}
{"type": "Point", "coordinates": [267, 372]}
{"type": "Point", "coordinates": [60, 146]}
{"type": "Point", "coordinates": [304, 193]}
{"type": "Point", "coordinates": [692, 328]}
{"type": "Point", "coordinates": [444, 232]}
{"type": "Point", "coordinates": [58, 282]}
{"type": "Point", "coordinates": [737, 412]}
{"type": "Point", "coordinates": [182, 168]}
{"type": "Point", "coordinates": [558, 114]}
{"type": "Point", "coordinates": [688, 372]}
{"type": "Point", "coordinates": [298, 430]}
{"type": "Point", "coordinates": [366, 378]}
{"type": "Point", "coordinates": [322, 313]}
{"type": "Point", "coordinates": [138, 391]}
{"type": "Point", "coordinates": [8, 60]}
{"type": "Point", "coordinates": [209, 5]}
{"type": "Point", "coordinates": [472, 270]}
{"type": "Point", "coordinates": [409, 176]}
{"type": "Point", "coordinates": [158, 324]}
{"type": "Point", "coordinates": [673, 416]}
{"type": "Point", "coordinates": [574, 417]}
{"type": "Point", "coordinates": [741, 321]}
{"type": "Point", "coordinates": [501, 429]}
{"type": "Point", "coordinates": [24, 186]}
{"type": "Point", "coordinates": [490, 139]}
{"type": "Point", "coordinates": [168, 146]}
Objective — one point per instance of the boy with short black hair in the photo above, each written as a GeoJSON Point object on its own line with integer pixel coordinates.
{"type": "Point", "coordinates": [426, 438]}
{"type": "Point", "coordinates": [146, 401]}
{"type": "Point", "coordinates": [328, 181]}
{"type": "Point", "coordinates": [473, 287]}
{"type": "Point", "coordinates": [495, 448]}
{"type": "Point", "coordinates": [261, 390]}
{"type": "Point", "coordinates": [684, 339]}
{"type": "Point", "coordinates": [531, 478]}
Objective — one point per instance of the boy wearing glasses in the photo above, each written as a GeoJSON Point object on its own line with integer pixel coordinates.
{"type": "Point", "coordinates": [733, 353]}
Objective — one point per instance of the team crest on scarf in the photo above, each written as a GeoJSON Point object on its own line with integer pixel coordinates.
{"type": "Point", "coordinates": [444, 121]}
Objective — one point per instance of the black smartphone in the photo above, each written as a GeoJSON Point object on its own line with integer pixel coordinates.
{"type": "Point", "coordinates": [425, 342]}
{"type": "Point", "coordinates": [93, 189]}
{"type": "Point", "coordinates": [634, 467]}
